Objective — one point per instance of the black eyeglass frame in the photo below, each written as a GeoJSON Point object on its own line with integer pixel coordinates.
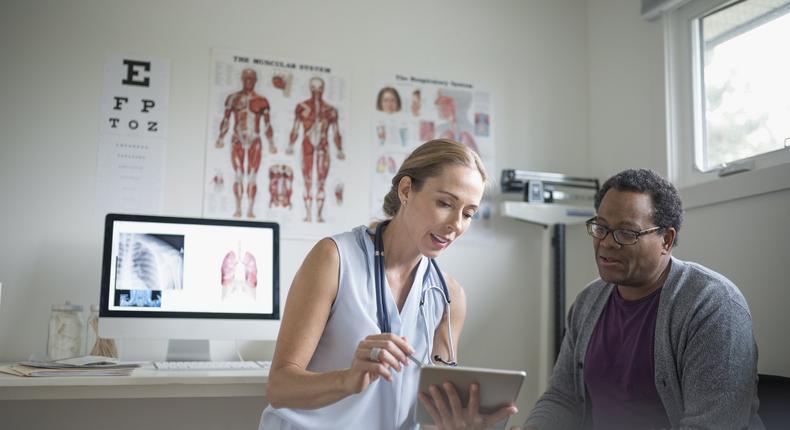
{"type": "Point", "coordinates": [590, 222]}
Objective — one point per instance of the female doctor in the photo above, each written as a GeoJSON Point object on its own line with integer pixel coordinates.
{"type": "Point", "coordinates": [365, 300]}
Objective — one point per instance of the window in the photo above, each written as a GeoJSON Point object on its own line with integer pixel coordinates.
{"type": "Point", "coordinates": [745, 71]}
{"type": "Point", "coordinates": [728, 77]}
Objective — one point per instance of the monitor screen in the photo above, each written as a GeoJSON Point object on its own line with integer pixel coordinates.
{"type": "Point", "coordinates": [191, 270]}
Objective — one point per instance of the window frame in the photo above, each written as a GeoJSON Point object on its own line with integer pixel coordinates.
{"type": "Point", "coordinates": [684, 112]}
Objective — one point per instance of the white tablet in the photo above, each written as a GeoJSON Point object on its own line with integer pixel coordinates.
{"type": "Point", "coordinates": [498, 388]}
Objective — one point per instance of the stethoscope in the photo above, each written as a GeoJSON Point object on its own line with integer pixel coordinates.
{"type": "Point", "coordinates": [381, 312]}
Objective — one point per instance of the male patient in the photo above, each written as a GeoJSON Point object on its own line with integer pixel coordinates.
{"type": "Point", "coordinates": [656, 342]}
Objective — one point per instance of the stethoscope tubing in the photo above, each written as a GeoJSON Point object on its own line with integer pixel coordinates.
{"type": "Point", "coordinates": [379, 275]}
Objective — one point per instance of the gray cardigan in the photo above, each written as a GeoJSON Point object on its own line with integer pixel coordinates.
{"type": "Point", "coordinates": [704, 351]}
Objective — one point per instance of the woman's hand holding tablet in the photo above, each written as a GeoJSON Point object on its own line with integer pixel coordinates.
{"type": "Point", "coordinates": [467, 397]}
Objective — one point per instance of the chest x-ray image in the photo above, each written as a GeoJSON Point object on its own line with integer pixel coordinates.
{"type": "Point", "coordinates": [150, 262]}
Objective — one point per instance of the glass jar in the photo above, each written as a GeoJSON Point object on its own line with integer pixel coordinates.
{"type": "Point", "coordinates": [65, 331]}
{"type": "Point", "coordinates": [94, 344]}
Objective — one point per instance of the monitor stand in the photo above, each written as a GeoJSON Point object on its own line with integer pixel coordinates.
{"type": "Point", "coordinates": [188, 350]}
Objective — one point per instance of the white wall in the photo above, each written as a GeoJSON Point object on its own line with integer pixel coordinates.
{"type": "Point", "coordinates": [747, 240]}
{"type": "Point", "coordinates": [531, 55]}
{"type": "Point", "coordinates": [572, 80]}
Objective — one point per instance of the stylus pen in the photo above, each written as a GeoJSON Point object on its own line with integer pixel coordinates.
{"type": "Point", "coordinates": [417, 362]}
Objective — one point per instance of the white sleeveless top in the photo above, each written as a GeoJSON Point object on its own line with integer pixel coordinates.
{"type": "Point", "coordinates": [383, 404]}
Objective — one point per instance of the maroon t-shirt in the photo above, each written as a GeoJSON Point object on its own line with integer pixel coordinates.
{"type": "Point", "coordinates": [619, 368]}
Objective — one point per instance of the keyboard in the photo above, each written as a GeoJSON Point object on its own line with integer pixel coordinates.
{"type": "Point", "coordinates": [212, 365]}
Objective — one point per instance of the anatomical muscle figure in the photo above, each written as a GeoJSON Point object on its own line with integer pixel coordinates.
{"type": "Point", "coordinates": [281, 178]}
{"type": "Point", "coordinates": [248, 108]}
{"type": "Point", "coordinates": [316, 117]}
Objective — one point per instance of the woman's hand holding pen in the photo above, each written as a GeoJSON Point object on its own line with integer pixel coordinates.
{"type": "Point", "coordinates": [374, 357]}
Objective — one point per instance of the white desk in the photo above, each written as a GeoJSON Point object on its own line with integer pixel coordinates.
{"type": "Point", "coordinates": [148, 398]}
{"type": "Point", "coordinates": [144, 382]}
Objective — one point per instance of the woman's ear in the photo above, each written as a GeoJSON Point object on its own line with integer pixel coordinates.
{"type": "Point", "coordinates": [404, 189]}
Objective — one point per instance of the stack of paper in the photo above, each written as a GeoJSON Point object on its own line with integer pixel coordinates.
{"type": "Point", "coordinates": [79, 366]}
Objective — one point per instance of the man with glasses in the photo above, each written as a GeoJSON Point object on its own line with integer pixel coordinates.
{"type": "Point", "coordinates": [655, 342]}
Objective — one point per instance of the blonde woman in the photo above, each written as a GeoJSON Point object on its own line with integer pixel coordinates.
{"type": "Point", "coordinates": [354, 316]}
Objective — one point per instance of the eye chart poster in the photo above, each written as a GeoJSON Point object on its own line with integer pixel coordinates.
{"type": "Point", "coordinates": [277, 143]}
{"type": "Point", "coordinates": [132, 134]}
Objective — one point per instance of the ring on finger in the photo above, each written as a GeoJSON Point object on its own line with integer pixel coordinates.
{"type": "Point", "coordinates": [374, 353]}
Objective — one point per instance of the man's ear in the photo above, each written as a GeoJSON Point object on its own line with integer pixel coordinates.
{"type": "Point", "coordinates": [669, 239]}
{"type": "Point", "coordinates": [404, 189]}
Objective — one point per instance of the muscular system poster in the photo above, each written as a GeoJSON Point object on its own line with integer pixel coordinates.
{"type": "Point", "coordinates": [275, 144]}
{"type": "Point", "coordinates": [412, 109]}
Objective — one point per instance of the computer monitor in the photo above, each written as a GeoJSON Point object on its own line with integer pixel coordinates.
{"type": "Point", "coordinates": [189, 280]}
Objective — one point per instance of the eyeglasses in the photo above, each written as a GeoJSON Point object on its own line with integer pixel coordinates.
{"type": "Point", "coordinates": [621, 236]}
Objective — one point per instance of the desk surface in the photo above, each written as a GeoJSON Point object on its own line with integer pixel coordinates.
{"type": "Point", "coordinates": [144, 382]}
